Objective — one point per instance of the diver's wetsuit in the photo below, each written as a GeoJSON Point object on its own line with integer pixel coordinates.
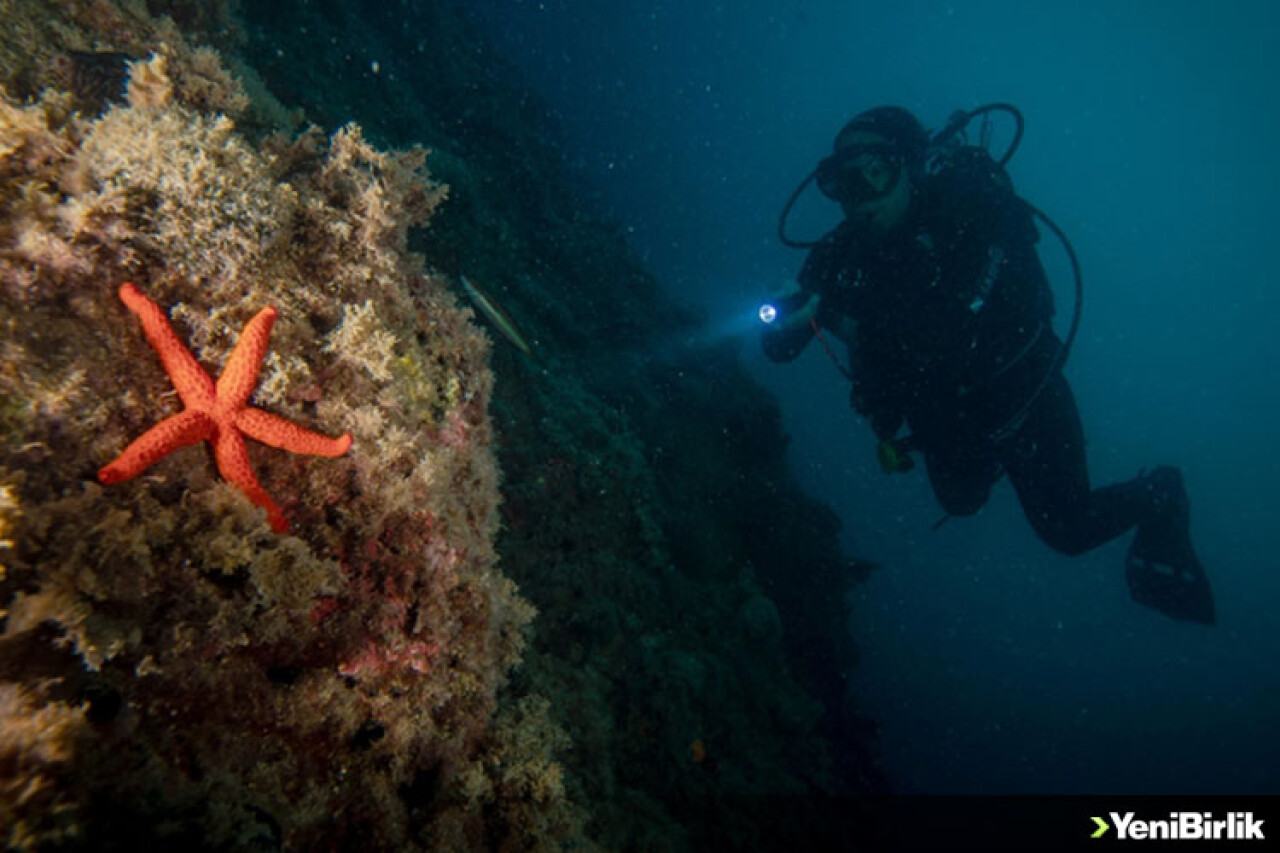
{"type": "Point", "coordinates": [947, 322]}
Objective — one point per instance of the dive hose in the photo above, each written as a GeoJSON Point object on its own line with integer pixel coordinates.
{"type": "Point", "coordinates": [957, 125]}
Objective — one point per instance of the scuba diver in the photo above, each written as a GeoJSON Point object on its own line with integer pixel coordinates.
{"type": "Point", "coordinates": [933, 283]}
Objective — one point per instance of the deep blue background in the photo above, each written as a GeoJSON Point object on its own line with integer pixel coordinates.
{"type": "Point", "coordinates": [993, 664]}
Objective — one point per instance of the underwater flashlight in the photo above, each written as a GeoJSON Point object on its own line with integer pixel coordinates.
{"type": "Point", "coordinates": [777, 309]}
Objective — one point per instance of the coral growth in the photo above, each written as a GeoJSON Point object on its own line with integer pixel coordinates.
{"type": "Point", "coordinates": [37, 742]}
{"type": "Point", "coordinates": [174, 672]}
{"type": "Point", "coordinates": [171, 669]}
{"type": "Point", "coordinates": [80, 47]}
{"type": "Point", "coordinates": [689, 591]}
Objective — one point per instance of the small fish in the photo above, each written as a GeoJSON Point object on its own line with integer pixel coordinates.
{"type": "Point", "coordinates": [500, 318]}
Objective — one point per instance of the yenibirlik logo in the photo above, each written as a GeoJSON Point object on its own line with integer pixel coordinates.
{"type": "Point", "coordinates": [1183, 826]}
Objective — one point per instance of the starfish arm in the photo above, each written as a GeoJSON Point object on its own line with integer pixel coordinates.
{"type": "Point", "coordinates": [240, 374]}
{"type": "Point", "coordinates": [232, 456]}
{"type": "Point", "coordinates": [194, 385]}
{"type": "Point", "coordinates": [180, 430]}
{"type": "Point", "coordinates": [286, 435]}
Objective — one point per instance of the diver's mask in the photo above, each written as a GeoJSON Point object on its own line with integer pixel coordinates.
{"type": "Point", "coordinates": [858, 174]}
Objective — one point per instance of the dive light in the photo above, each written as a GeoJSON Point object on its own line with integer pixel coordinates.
{"type": "Point", "coordinates": [778, 309]}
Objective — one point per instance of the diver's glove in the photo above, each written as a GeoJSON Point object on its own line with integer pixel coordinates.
{"type": "Point", "coordinates": [894, 456]}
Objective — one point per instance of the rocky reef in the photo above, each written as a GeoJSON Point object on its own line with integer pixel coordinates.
{"type": "Point", "coordinates": [174, 671]}
{"type": "Point", "coordinates": [166, 656]}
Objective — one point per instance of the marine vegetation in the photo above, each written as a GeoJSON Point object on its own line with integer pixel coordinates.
{"type": "Point", "coordinates": [341, 660]}
{"type": "Point", "coordinates": [175, 665]}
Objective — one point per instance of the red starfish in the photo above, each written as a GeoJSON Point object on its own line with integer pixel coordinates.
{"type": "Point", "coordinates": [219, 413]}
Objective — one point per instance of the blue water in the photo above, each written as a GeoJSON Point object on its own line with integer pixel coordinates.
{"type": "Point", "coordinates": [993, 664]}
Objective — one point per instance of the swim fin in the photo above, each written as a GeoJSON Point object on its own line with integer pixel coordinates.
{"type": "Point", "coordinates": [1161, 566]}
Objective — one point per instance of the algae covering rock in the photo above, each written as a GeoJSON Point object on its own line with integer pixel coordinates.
{"type": "Point", "coordinates": [693, 635]}
{"type": "Point", "coordinates": [171, 670]}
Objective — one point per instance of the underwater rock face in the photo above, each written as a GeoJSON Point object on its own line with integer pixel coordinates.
{"type": "Point", "coordinates": [171, 669]}
{"type": "Point", "coordinates": [647, 505]}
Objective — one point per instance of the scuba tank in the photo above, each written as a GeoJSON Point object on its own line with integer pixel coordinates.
{"type": "Point", "coordinates": [949, 149]}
